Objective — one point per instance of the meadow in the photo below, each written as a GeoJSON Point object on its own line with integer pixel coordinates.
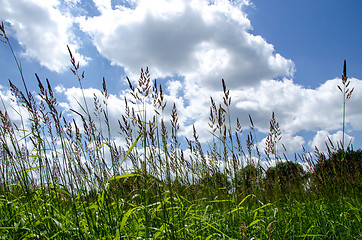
{"type": "Point", "coordinates": [67, 178]}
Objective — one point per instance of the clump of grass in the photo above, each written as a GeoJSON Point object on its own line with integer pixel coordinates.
{"type": "Point", "coordinates": [69, 179]}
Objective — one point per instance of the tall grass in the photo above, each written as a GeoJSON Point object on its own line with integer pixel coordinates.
{"type": "Point", "coordinates": [67, 178]}
{"type": "Point", "coordinates": [347, 93]}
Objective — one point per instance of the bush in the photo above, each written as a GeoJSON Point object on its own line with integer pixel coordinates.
{"type": "Point", "coordinates": [286, 176]}
{"type": "Point", "coordinates": [248, 178]}
{"type": "Point", "coordinates": [340, 168]}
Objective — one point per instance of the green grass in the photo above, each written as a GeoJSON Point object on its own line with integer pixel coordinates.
{"type": "Point", "coordinates": [68, 179]}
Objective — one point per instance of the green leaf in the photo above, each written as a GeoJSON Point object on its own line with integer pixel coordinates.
{"type": "Point", "coordinates": [133, 145]}
{"type": "Point", "coordinates": [157, 234]}
{"type": "Point", "coordinates": [29, 169]}
{"type": "Point", "coordinates": [244, 199]}
{"type": "Point", "coordinates": [123, 176]}
{"type": "Point", "coordinates": [126, 216]}
{"type": "Point", "coordinates": [266, 205]}
{"type": "Point", "coordinates": [210, 237]}
{"type": "Point", "coordinates": [209, 225]}
{"type": "Point", "coordinates": [253, 223]}
{"type": "Point", "coordinates": [311, 235]}
{"type": "Point", "coordinates": [4, 228]}
{"type": "Point", "coordinates": [239, 208]}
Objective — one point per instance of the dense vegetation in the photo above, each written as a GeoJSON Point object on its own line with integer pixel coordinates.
{"type": "Point", "coordinates": [71, 179]}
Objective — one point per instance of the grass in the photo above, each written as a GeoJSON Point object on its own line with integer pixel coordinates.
{"type": "Point", "coordinates": [69, 179]}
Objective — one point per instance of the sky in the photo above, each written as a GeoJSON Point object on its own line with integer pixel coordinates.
{"type": "Point", "coordinates": [279, 56]}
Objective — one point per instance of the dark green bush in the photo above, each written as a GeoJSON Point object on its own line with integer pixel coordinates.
{"type": "Point", "coordinates": [340, 168]}
{"type": "Point", "coordinates": [286, 177]}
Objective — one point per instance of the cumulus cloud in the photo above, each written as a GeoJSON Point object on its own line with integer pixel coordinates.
{"type": "Point", "coordinates": [298, 108]}
{"type": "Point", "coordinates": [200, 40]}
{"type": "Point", "coordinates": [43, 31]}
{"type": "Point", "coordinates": [323, 139]}
{"type": "Point", "coordinates": [13, 108]}
{"type": "Point", "coordinates": [287, 145]}
{"type": "Point", "coordinates": [292, 106]}
{"type": "Point", "coordinates": [74, 99]}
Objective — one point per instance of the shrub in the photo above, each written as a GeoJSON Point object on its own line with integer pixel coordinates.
{"type": "Point", "coordinates": [248, 178]}
{"type": "Point", "coordinates": [286, 176]}
{"type": "Point", "coordinates": [340, 168]}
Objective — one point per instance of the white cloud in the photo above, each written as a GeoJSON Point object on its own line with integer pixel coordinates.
{"type": "Point", "coordinates": [201, 41]}
{"type": "Point", "coordinates": [292, 144]}
{"type": "Point", "coordinates": [323, 138]}
{"type": "Point", "coordinates": [297, 108]}
{"type": "Point", "coordinates": [74, 100]}
{"type": "Point", "coordinates": [174, 88]}
{"type": "Point", "coordinates": [43, 31]}
{"type": "Point", "coordinates": [17, 113]}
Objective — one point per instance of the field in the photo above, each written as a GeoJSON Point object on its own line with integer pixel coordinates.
{"type": "Point", "coordinates": [73, 179]}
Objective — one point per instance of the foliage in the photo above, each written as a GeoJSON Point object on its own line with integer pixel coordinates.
{"type": "Point", "coordinates": [287, 176]}
{"type": "Point", "coordinates": [341, 168]}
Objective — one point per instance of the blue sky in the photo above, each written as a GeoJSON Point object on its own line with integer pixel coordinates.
{"type": "Point", "coordinates": [316, 35]}
{"type": "Point", "coordinates": [276, 55]}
